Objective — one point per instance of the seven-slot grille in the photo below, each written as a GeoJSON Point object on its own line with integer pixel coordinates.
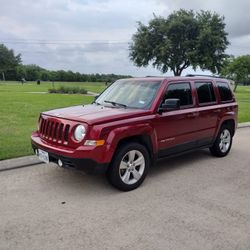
{"type": "Point", "coordinates": [54, 131]}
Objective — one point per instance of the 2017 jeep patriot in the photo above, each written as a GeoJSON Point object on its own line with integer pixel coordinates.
{"type": "Point", "coordinates": [136, 121]}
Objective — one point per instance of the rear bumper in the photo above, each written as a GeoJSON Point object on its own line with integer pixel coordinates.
{"type": "Point", "coordinates": [89, 160]}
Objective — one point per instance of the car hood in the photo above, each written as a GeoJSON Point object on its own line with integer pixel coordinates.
{"type": "Point", "coordinates": [95, 114]}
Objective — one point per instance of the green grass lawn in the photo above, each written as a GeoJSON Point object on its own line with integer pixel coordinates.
{"type": "Point", "coordinates": [20, 106]}
{"type": "Point", "coordinates": [243, 99]}
{"type": "Point", "coordinates": [44, 86]}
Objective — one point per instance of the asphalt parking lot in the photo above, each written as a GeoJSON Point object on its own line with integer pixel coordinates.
{"type": "Point", "coordinates": [195, 201]}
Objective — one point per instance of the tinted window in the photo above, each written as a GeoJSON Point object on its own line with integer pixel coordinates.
{"type": "Point", "coordinates": [225, 91]}
{"type": "Point", "coordinates": [205, 92]}
{"type": "Point", "coordinates": [180, 91]}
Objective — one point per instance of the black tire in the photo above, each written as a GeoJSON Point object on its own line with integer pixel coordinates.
{"type": "Point", "coordinates": [121, 166]}
{"type": "Point", "coordinates": [220, 149]}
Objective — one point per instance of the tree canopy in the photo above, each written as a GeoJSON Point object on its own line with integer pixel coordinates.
{"type": "Point", "coordinates": [8, 60]}
{"type": "Point", "coordinates": [183, 39]}
{"type": "Point", "coordinates": [237, 69]}
{"type": "Point", "coordinates": [12, 69]}
{"type": "Point", "coordinates": [33, 72]}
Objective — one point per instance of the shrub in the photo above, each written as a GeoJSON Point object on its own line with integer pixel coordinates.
{"type": "Point", "coordinates": [68, 90]}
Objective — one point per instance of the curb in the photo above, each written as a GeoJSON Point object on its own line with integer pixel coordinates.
{"type": "Point", "coordinates": [92, 93]}
{"type": "Point", "coordinates": [244, 125]}
{"type": "Point", "coordinates": [32, 160]}
{"type": "Point", "coordinates": [19, 162]}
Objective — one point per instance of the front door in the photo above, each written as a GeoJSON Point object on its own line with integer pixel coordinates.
{"type": "Point", "coordinates": [176, 130]}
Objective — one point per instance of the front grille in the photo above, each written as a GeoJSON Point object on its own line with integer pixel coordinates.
{"type": "Point", "coordinates": [54, 131]}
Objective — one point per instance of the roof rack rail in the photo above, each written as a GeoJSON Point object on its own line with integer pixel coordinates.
{"type": "Point", "coordinates": [154, 76]}
{"type": "Point", "coordinates": [193, 75]}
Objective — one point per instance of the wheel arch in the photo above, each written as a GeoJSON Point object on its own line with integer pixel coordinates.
{"type": "Point", "coordinates": [231, 123]}
{"type": "Point", "coordinates": [144, 140]}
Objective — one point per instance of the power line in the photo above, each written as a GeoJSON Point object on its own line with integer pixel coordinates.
{"type": "Point", "coordinates": [76, 41]}
{"type": "Point", "coordinates": [67, 40]}
{"type": "Point", "coordinates": [60, 52]}
{"type": "Point", "coordinates": [63, 42]}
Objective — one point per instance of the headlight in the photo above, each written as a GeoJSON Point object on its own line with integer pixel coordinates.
{"type": "Point", "coordinates": [80, 132]}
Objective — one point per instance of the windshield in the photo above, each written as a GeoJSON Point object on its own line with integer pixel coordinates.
{"type": "Point", "coordinates": [130, 93]}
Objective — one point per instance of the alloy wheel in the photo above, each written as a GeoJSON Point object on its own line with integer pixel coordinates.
{"type": "Point", "coordinates": [225, 140]}
{"type": "Point", "coordinates": [132, 167]}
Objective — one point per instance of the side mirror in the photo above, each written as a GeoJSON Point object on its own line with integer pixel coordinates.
{"type": "Point", "coordinates": [95, 97]}
{"type": "Point", "coordinates": [170, 104]}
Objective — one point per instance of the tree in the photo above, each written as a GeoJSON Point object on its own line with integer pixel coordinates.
{"type": "Point", "coordinates": [32, 72]}
{"type": "Point", "coordinates": [237, 69]}
{"type": "Point", "coordinates": [44, 75]}
{"type": "Point", "coordinates": [181, 40]}
{"type": "Point", "coordinates": [8, 60]}
{"type": "Point", "coordinates": [20, 72]}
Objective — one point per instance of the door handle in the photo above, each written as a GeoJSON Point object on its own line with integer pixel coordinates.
{"type": "Point", "coordinates": [216, 110]}
{"type": "Point", "coordinates": [192, 115]}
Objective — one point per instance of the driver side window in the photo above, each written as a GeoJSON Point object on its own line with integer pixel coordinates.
{"type": "Point", "coordinates": [180, 91]}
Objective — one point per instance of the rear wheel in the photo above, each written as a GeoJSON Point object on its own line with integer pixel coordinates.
{"type": "Point", "coordinates": [129, 166]}
{"type": "Point", "coordinates": [223, 142]}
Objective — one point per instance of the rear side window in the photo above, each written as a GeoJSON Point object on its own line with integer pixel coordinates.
{"type": "Point", "coordinates": [205, 92]}
{"type": "Point", "coordinates": [180, 91]}
{"type": "Point", "coordinates": [225, 91]}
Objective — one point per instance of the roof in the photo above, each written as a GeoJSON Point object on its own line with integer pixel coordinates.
{"type": "Point", "coordinates": [178, 78]}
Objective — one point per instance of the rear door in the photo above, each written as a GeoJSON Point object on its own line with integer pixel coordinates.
{"type": "Point", "coordinates": [176, 130]}
{"type": "Point", "coordinates": [209, 111]}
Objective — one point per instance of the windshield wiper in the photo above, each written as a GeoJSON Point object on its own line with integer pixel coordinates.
{"type": "Point", "coordinates": [116, 104]}
{"type": "Point", "coordinates": [97, 103]}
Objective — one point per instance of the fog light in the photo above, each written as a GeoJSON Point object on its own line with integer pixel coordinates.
{"type": "Point", "coordinates": [60, 164]}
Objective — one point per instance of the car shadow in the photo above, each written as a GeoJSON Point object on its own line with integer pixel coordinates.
{"type": "Point", "coordinates": [77, 181]}
{"type": "Point", "coordinates": [176, 162]}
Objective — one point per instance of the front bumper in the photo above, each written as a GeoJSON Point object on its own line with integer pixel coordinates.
{"type": "Point", "coordinates": [88, 159]}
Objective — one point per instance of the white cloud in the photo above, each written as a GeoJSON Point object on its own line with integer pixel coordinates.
{"type": "Point", "coordinates": [92, 35]}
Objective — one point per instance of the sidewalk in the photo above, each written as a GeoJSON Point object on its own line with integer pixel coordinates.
{"type": "Point", "coordinates": [31, 160]}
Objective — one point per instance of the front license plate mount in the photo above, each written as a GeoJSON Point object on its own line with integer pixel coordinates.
{"type": "Point", "coordinates": [43, 156]}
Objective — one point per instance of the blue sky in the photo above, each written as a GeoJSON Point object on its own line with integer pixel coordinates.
{"type": "Point", "coordinates": [93, 36]}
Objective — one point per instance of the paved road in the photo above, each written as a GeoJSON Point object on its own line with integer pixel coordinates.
{"type": "Point", "coordinates": [191, 202]}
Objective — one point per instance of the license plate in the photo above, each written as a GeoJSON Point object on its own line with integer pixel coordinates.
{"type": "Point", "coordinates": [43, 156]}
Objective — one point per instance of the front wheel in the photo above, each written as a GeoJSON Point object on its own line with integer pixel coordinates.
{"type": "Point", "coordinates": [129, 166]}
{"type": "Point", "coordinates": [223, 142]}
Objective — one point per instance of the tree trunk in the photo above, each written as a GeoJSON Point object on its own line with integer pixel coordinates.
{"type": "Point", "coordinates": [177, 72]}
{"type": "Point", "coordinates": [3, 76]}
{"type": "Point", "coordinates": [235, 86]}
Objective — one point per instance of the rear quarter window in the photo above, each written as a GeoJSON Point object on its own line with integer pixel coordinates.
{"type": "Point", "coordinates": [225, 91]}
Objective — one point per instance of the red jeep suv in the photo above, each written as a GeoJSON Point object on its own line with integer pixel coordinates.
{"type": "Point", "coordinates": [136, 121]}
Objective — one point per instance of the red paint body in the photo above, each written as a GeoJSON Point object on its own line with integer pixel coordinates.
{"type": "Point", "coordinates": [164, 130]}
